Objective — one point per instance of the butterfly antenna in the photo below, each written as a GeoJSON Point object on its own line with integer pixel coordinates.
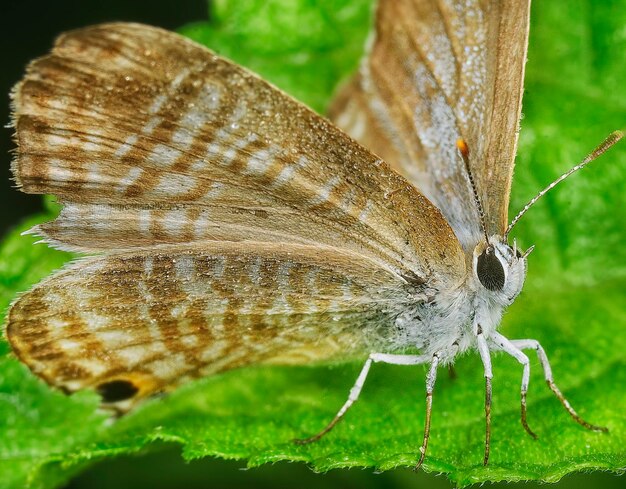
{"type": "Point", "coordinates": [461, 145]}
{"type": "Point", "coordinates": [610, 140]}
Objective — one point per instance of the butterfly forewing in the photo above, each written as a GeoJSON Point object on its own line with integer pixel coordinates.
{"type": "Point", "coordinates": [152, 320]}
{"type": "Point", "coordinates": [437, 71]}
{"type": "Point", "coordinates": [149, 138]}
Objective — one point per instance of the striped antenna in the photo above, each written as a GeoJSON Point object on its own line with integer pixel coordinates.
{"type": "Point", "coordinates": [599, 150]}
{"type": "Point", "coordinates": [461, 145]}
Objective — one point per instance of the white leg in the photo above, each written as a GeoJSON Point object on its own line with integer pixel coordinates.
{"type": "Point", "coordinates": [483, 349]}
{"type": "Point", "coordinates": [547, 372]}
{"type": "Point", "coordinates": [360, 381]}
{"type": "Point", "coordinates": [513, 349]}
{"type": "Point", "coordinates": [541, 354]}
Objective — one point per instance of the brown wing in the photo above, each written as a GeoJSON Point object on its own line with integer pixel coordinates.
{"type": "Point", "coordinates": [133, 324]}
{"type": "Point", "coordinates": [148, 138]}
{"type": "Point", "coordinates": [437, 71]}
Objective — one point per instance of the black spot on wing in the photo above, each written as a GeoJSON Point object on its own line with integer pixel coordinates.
{"type": "Point", "coordinates": [117, 390]}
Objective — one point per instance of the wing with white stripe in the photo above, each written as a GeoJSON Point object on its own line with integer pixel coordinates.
{"type": "Point", "coordinates": [132, 324]}
{"type": "Point", "coordinates": [150, 139]}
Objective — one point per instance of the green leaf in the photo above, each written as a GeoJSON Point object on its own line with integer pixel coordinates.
{"type": "Point", "coordinates": [573, 301]}
{"type": "Point", "coordinates": [302, 46]}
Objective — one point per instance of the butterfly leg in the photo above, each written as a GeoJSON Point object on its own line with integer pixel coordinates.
{"type": "Point", "coordinates": [358, 385]}
{"type": "Point", "coordinates": [483, 349]}
{"type": "Point", "coordinates": [430, 386]}
{"type": "Point", "coordinates": [507, 346]}
{"type": "Point", "coordinates": [547, 371]}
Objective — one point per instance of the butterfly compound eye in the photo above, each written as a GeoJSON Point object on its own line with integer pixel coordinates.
{"type": "Point", "coordinates": [490, 271]}
{"type": "Point", "coordinates": [117, 390]}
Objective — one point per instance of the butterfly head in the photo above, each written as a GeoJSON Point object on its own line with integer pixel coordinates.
{"type": "Point", "coordinates": [500, 269]}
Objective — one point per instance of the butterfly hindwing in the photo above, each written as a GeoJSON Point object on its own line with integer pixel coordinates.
{"type": "Point", "coordinates": [149, 320]}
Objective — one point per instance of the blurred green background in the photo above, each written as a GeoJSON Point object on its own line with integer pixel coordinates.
{"type": "Point", "coordinates": [27, 29]}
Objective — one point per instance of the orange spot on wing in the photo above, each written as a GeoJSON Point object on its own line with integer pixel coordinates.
{"type": "Point", "coordinates": [462, 147]}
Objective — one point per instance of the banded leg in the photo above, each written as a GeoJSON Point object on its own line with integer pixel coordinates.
{"type": "Point", "coordinates": [358, 385]}
{"type": "Point", "coordinates": [483, 349]}
{"type": "Point", "coordinates": [505, 345]}
{"type": "Point", "coordinates": [431, 378]}
{"type": "Point", "coordinates": [547, 371]}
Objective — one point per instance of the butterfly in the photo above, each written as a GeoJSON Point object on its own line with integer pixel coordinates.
{"type": "Point", "coordinates": [227, 225]}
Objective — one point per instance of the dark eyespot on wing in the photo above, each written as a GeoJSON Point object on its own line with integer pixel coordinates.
{"type": "Point", "coordinates": [490, 271]}
{"type": "Point", "coordinates": [117, 390]}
